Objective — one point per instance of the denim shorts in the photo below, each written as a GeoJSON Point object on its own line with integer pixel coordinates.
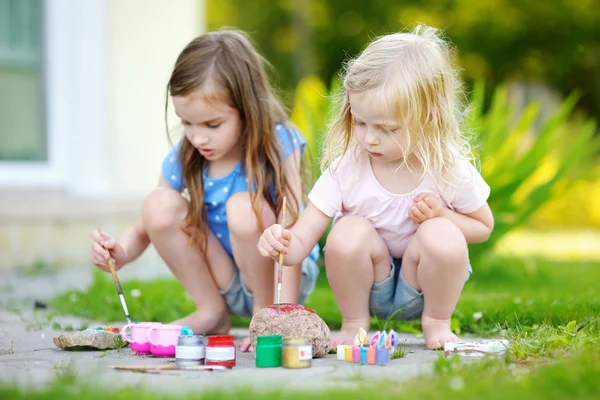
{"type": "Point", "coordinates": [394, 298]}
{"type": "Point", "coordinates": [240, 301]}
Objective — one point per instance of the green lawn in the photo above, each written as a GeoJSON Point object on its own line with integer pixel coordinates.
{"type": "Point", "coordinates": [502, 293]}
{"type": "Point", "coordinates": [550, 311]}
{"type": "Point", "coordinates": [575, 377]}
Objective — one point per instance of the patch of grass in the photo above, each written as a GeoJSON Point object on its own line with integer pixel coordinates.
{"type": "Point", "coordinates": [507, 293]}
{"type": "Point", "coordinates": [574, 377]}
{"type": "Point", "coordinates": [399, 352]}
{"type": "Point", "coordinates": [548, 341]}
{"type": "Point", "coordinates": [65, 372]}
{"type": "Point", "coordinates": [119, 343]}
{"type": "Point", "coordinates": [503, 293]}
{"type": "Point", "coordinates": [38, 267]}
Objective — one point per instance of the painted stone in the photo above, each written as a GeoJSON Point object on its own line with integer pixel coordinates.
{"type": "Point", "coordinates": [292, 320]}
{"type": "Point", "coordinates": [89, 339]}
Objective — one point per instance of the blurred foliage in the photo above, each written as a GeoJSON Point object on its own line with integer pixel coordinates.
{"type": "Point", "coordinates": [554, 41]}
{"type": "Point", "coordinates": [525, 160]}
{"type": "Point", "coordinates": [573, 204]}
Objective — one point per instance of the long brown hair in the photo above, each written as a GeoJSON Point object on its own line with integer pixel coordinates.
{"type": "Point", "coordinates": [226, 64]}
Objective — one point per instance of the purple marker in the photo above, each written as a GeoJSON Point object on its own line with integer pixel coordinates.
{"type": "Point", "coordinates": [393, 339]}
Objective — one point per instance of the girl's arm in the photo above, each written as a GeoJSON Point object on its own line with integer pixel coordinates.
{"type": "Point", "coordinates": [297, 243]}
{"type": "Point", "coordinates": [310, 226]}
{"type": "Point", "coordinates": [135, 239]}
{"type": "Point", "coordinates": [476, 226]}
{"type": "Point", "coordinates": [305, 234]}
{"type": "Point", "coordinates": [132, 243]}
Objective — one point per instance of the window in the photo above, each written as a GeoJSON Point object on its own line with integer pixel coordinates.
{"type": "Point", "coordinates": [22, 123]}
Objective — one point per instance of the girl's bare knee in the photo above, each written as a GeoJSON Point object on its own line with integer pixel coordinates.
{"type": "Point", "coordinates": [439, 237]}
{"type": "Point", "coordinates": [163, 209]}
{"type": "Point", "coordinates": [241, 219]}
{"type": "Point", "coordinates": [349, 235]}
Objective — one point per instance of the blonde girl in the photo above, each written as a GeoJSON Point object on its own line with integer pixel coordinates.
{"type": "Point", "coordinates": [399, 184]}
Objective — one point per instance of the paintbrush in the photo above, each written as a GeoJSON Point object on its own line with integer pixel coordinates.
{"type": "Point", "coordinates": [168, 367]}
{"type": "Point", "coordinates": [280, 266]}
{"type": "Point", "coordinates": [113, 272]}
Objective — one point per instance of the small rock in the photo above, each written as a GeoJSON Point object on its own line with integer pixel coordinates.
{"type": "Point", "coordinates": [89, 339]}
{"type": "Point", "coordinates": [38, 305]}
{"type": "Point", "coordinates": [292, 320]}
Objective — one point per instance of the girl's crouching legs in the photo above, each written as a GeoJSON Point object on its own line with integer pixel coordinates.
{"type": "Point", "coordinates": [436, 262]}
{"type": "Point", "coordinates": [163, 214]}
{"type": "Point", "coordinates": [355, 257]}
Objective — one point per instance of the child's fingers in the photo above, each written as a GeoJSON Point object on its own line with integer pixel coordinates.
{"type": "Point", "coordinates": [97, 237]}
{"type": "Point", "coordinates": [286, 235]}
{"type": "Point", "coordinates": [266, 249]}
{"type": "Point", "coordinates": [262, 251]}
{"type": "Point", "coordinates": [424, 209]}
{"type": "Point", "coordinates": [416, 214]}
{"type": "Point", "coordinates": [100, 251]}
{"type": "Point", "coordinates": [431, 201]}
{"type": "Point", "coordinates": [276, 242]}
{"type": "Point", "coordinates": [421, 196]}
{"type": "Point", "coordinates": [100, 263]}
{"type": "Point", "coordinates": [109, 243]}
{"type": "Point", "coordinates": [107, 240]}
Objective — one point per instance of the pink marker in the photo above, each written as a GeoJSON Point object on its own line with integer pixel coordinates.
{"type": "Point", "coordinates": [375, 339]}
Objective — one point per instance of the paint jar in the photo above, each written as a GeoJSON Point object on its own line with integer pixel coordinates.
{"type": "Point", "coordinates": [297, 353]}
{"type": "Point", "coordinates": [268, 351]}
{"type": "Point", "coordinates": [341, 352]}
{"type": "Point", "coordinates": [348, 353]}
{"type": "Point", "coordinates": [363, 355]}
{"type": "Point", "coordinates": [371, 356]}
{"type": "Point", "coordinates": [190, 351]}
{"type": "Point", "coordinates": [220, 350]}
{"type": "Point", "coordinates": [382, 357]}
{"type": "Point", "coordinates": [355, 354]}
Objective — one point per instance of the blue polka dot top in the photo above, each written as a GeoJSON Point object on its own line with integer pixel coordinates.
{"type": "Point", "coordinates": [218, 190]}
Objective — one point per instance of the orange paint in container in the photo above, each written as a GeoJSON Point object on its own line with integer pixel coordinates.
{"type": "Point", "coordinates": [371, 355]}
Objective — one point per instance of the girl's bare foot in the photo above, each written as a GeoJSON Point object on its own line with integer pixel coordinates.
{"type": "Point", "coordinates": [348, 332]}
{"type": "Point", "coordinates": [246, 345]}
{"type": "Point", "coordinates": [437, 332]}
{"type": "Point", "coordinates": [205, 323]}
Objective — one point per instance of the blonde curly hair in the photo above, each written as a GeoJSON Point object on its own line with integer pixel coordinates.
{"type": "Point", "coordinates": [412, 74]}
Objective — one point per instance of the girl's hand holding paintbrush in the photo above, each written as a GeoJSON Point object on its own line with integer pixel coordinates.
{"type": "Point", "coordinates": [295, 245]}
{"type": "Point", "coordinates": [276, 240]}
{"type": "Point", "coordinates": [105, 246]}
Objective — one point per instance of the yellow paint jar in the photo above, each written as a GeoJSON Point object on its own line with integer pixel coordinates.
{"type": "Point", "coordinates": [348, 353]}
{"type": "Point", "coordinates": [296, 353]}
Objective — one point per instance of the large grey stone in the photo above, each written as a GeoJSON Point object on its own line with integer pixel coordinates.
{"type": "Point", "coordinates": [292, 320]}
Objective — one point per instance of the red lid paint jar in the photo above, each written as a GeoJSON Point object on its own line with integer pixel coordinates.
{"type": "Point", "coordinates": [220, 350]}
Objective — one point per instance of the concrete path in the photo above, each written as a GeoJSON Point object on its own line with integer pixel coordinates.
{"type": "Point", "coordinates": [28, 356]}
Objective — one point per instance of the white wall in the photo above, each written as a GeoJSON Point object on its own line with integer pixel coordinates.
{"type": "Point", "coordinates": [106, 63]}
{"type": "Point", "coordinates": [145, 38]}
